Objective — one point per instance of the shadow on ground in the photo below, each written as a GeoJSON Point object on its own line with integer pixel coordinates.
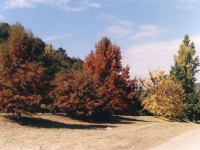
{"type": "Point", "coordinates": [46, 123]}
{"type": "Point", "coordinates": [100, 124]}
{"type": "Point", "coordinates": [114, 119]}
{"type": "Point", "coordinates": [121, 120]}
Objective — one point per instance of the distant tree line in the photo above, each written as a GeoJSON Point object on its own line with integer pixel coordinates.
{"type": "Point", "coordinates": [35, 77]}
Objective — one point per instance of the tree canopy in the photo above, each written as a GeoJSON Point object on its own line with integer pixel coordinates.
{"type": "Point", "coordinates": [35, 77]}
{"type": "Point", "coordinates": [21, 79]}
{"type": "Point", "coordinates": [185, 67]}
{"type": "Point", "coordinates": [166, 98]}
{"type": "Point", "coordinates": [27, 70]}
{"type": "Point", "coordinates": [105, 63]}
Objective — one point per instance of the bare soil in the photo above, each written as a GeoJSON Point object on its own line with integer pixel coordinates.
{"type": "Point", "coordinates": [50, 132]}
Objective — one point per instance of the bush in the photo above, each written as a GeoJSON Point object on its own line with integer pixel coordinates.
{"type": "Point", "coordinates": [166, 99]}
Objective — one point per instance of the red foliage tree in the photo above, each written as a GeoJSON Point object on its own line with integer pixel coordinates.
{"type": "Point", "coordinates": [77, 94]}
{"type": "Point", "coordinates": [21, 80]}
{"type": "Point", "coordinates": [105, 63]}
{"type": "Point", "coordinates": [101, 88]}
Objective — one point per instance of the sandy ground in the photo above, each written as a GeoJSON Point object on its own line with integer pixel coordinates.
{"type": "Point", "coordinates": [47, 132]}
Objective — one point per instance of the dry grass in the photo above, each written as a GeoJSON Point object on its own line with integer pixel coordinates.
{"type": "Point", "coordinates": [47, 132]}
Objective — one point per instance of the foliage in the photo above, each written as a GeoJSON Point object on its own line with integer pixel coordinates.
{"type": "Point", "coordinates": [101, 88]}
{"type": "Point", "coordinates": [22, 83]}
{"type": "Point", "coordinates": [198, 105]}
{"type": "Point", "coordinates": [165, 99]}
{"type": "Point", "coordinates": [118, 90]}
{"type": "Point", "coordinates": [77, 94]}
{"type": "Point", "coordinates": [154, 78]}
{"type": "Point", "coordinates": [4, 27]}
{"type": "Point", "coordinates": [34, 74]}
{"type": "Point", "coordinates": [193, 106]}
{"type": "Point", "coordinates": [183, 71]}
{"type": "Point", "coordinates": [144, 86]}
{"type": "Point", "coordinates": [27, 66]}
{"type": "Point", "coordinates": [57, 61]}
{"type": "Point", "coordinates": [185, 66]}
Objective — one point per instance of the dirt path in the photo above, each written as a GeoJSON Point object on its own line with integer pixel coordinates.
{"type": "Point", "coordinates": [186, 141]}
{"type": "Point", "coordinates": [49, 132]}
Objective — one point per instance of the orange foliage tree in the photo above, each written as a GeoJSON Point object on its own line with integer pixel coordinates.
{"type": "Point", "coordinates": [76, 94]}
{"type": "Point", "coordinates": [101, 88]}
{"type": "Point", "coordinates": [21, 80]}
{"type": "Point", "coordinates": [118, 90]}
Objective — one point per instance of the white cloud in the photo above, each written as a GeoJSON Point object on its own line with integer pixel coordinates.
{"type": "Point", "coordinates": [74, 9]}
{"type": "Point", "coordinates": [189, 1]}
{"type": "Point", "coordinates": [148, 31]}
{"type": "Point", "coordinates": [57, 37]}
{"type": "Point", "coordinates": [125, 29]}
{"type": "Point", "coordinates": [80, 5]}
{"type": "Point", "coordinates": [120, 29]}
{"type": "Point", "coordinates": [124, 22]}
{"type": "Point", "coordinates": [187, 4]}
{"type": "Point", "coordinates": [10, 4]}
{"type": "Point", "coordinates": [116, 2]}
{"type": "Point", "coordinates": [90, 4]}
{"type": "Point", "coordinates": [150, 56]}
{"type": "Point", "coordinates": [17, 3]}
{"type": "Point", "coordinates": [58, 3]}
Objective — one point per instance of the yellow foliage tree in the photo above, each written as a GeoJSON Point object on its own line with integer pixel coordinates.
{"type": "Point", "coordinates": [154, 78]}
{"type": "Point", "coordinates": [165, 99]}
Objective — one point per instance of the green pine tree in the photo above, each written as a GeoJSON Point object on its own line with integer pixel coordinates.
{"type": "Point", "coordinates": [185, 67]}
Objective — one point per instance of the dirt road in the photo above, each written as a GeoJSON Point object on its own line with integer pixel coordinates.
{"type": "Point", "coordinates": [186, 141]}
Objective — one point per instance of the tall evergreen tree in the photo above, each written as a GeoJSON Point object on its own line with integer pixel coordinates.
{"type": "Point", "coordinates": [185, 67]}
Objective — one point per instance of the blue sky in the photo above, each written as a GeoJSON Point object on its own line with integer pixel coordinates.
{"type": "Point", "coordinates": [149, 32]}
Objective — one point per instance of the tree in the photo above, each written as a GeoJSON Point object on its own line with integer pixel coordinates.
{"type": "Point", "coordinates": [58, 61]}
{"type": "Point", "coordinates": [22, 84]}
{"type": "Point", "coordinates": [198, 105]}
{"type": "Point", "coordinates": [76, 94]}
{"type": "Point", "coordinates": [165, 99]}
{"type": "Point", "coordinates": [183, 71]}
{"type": "Point", "coordinates": [102, 87]}
{"type": "Point", "coordinates": [4, 27]}
{"type": "Point", "coordinates": [154, 78]}
{"type": "Point", "coordinates": [66, 62]}
{"type": "Point", "coordinates": [144, 86]}
{"type": "Point", "coordinates": [118, 90]}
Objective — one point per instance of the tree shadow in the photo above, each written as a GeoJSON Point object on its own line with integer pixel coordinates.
{"type": "Point", "coordinates": [46, 123]}
{"type": "Point", "coordinates": [180, 120]}
{"type": "Point", "coordinates": [113, 119]}
{"type": "Point", "coordinates": [116, 119]}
